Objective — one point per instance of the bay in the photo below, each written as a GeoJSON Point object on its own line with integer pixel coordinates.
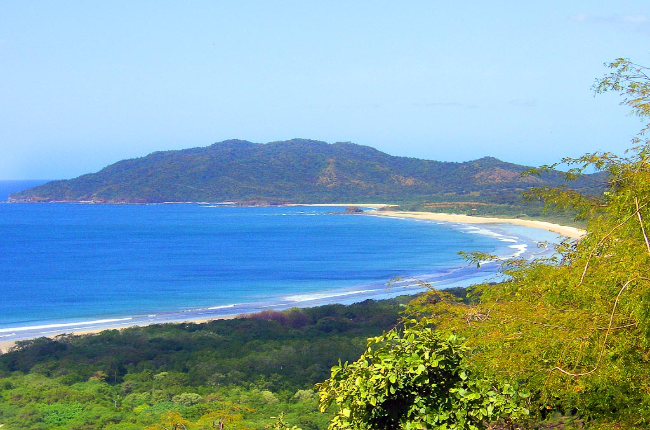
{"type": "Point", "coordinates": [70, 267]}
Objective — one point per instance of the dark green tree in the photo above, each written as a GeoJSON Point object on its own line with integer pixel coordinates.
{"type": "Point", "coordinates": [415, 379]}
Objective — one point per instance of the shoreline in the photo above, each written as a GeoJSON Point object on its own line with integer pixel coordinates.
{"type": "Point", "coordinates": [570, 232]}
{"type": "Point", "coordinates": [566, 231]}
{"type": "Point", "coordinates": [6, 344]}
{"type": "Point", "coordinates": [341, 205]}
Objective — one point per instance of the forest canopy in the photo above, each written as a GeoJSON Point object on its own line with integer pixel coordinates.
{"type": "Point", "coordinates": [238, 372]}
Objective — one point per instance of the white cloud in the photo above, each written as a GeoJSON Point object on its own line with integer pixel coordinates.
{"type": "Point", "coordinates": [614, 19]}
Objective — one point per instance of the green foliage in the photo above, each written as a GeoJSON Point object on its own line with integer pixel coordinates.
{"type": "Point", "coordinates": [240, 371]}
{"type": "Point", "coordinates": [281, 424]}
{"type": "Point", "coordinates": [299, 171]}
{"type": "Point", "coordinates": [60, 413]}
{"type": "Point", "coordinates": [414, 379]}
{"type": "Point", "coordinates": [187, 399]}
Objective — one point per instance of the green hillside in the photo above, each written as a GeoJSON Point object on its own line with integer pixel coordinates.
{"type": "Point", "coordinates": [294, 171]}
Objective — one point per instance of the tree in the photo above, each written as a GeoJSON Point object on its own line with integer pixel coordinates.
{"type": "Point", "coordinates": [171, 420]}
{"type": "Point", "coordinates": [575, 328]}
{"type": "Point", "coordinates": [414, 379]}
{"type": "Point", "coordinates": [281, 424]}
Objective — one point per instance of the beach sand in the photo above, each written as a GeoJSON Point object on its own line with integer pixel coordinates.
{"type": "Point", "coordinates": [4, 346]}
{"type": "Point", "coordinates": [342, 205]}
{"type": "Point", "coordinates": [570, 232]}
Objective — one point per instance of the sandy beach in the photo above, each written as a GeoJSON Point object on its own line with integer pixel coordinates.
{"type": "Point", "coordinates": [5, 345]}
{"type": "Point", "coordinates": [566, 231]}
{"type": "Point", "coordinates": [571, 232]}
{"type": "Point", "coordinates": [341, 205]}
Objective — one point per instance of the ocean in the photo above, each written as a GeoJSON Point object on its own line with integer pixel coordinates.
{"type": "Point", "coordinates": [9, 187]}
{"type": "Point", "coordinates": [72, 267]}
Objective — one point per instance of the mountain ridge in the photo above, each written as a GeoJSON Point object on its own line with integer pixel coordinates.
{"type": "Point", "coordinates": [292, 171]}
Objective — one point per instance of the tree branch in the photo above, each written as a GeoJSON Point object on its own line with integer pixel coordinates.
{"type": "Point", "coordinates": [638, 212]}
{"type": "Point", "coordinates": [609, 329]}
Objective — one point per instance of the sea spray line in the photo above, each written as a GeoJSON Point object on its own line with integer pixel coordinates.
{"type": "Point", "coordinates": [213, 308]}
{"type": "Point", "coordinates": [40, 327]}
{"type": "Point", "coordinates": [520, 250]}
{"type": "Point", "coordinates": [320, 296]}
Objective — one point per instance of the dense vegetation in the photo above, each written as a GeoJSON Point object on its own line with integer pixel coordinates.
{"type": "Point", "coordinates": [295, 171]}
{"type": "Point", "coordinates": [242, 371]}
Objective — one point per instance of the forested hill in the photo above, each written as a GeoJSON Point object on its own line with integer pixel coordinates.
{"type": "Point", "coordinates": [298, 171]}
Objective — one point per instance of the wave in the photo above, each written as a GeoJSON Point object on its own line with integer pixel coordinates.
{"type": "Point", "coordinates": [64, 325]}
{"type": "Point", "coordinates": [324, 295]}
{"type": "Point", "coordinates": [501, 237]}
{"type": "Point", "coordinates": [220, 307]}
{"type": "Point", "coordinates": [521, 249]}
{"type": "Point", "coordinates": [378, 290]}
{"type": "Point", "coordinates": [505, 239]}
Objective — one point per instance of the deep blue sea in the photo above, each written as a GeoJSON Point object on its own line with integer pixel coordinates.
{"type": "Point", "coordinates": [70, 267]}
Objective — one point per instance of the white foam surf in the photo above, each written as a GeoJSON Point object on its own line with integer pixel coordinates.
{"type": "Point", "coordinates": [63, 325]}
{"type": "Point", "coordinates": [322, 296]}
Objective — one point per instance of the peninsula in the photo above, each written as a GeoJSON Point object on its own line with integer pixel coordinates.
{"type": "Point", "coordinates": [293, 171]}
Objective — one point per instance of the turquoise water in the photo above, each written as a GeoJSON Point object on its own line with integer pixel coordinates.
{"type": "Point", "coordinates": [71, 266]}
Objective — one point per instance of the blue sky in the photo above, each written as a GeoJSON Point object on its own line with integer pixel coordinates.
{"type": "Point", "coordinates": [86, 84]}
